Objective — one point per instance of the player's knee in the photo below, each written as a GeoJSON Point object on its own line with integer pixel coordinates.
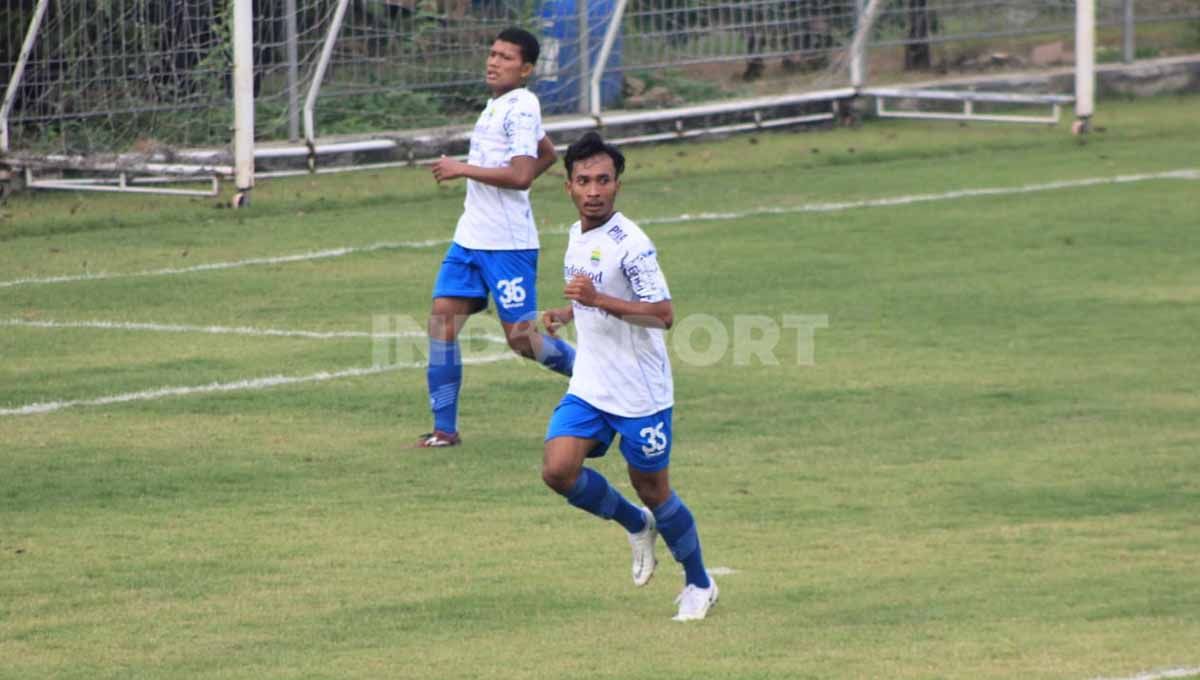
{"type": "Point", "coordinates": [442, 326]}
{"type": "Point", "coordinates": [560, 478]}
{"type": "Point", "coordinates": [437, 327]}
{"type": "Point", "coordinates": [651, 491]}
{"type": "Point", "coordinates": [653, 499]}
{"type": "Point", "coordinates": [521, 344]}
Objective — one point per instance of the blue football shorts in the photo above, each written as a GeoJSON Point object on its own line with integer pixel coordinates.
{"type": "Point", "coordinates": [645, 440]}
{"type": "Point", "coordinates": [510, 276]}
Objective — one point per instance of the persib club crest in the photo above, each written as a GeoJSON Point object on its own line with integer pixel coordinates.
{"type": "Point", "coordinates": [595, 256]}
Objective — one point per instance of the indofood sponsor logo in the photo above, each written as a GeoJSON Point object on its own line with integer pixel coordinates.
{"type": "Point", "coordinates": [570, 271]}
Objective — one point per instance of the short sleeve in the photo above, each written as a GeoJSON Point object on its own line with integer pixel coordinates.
{"type": "Point", "coordinates": [523, 127]}
{"type": "Point", "coordinates": [645, 277]}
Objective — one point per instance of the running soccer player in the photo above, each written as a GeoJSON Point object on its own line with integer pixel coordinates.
{"type": "Point", "coordinates": [495, 246]}
{"type": "Point", "coordinates": [622, 382]}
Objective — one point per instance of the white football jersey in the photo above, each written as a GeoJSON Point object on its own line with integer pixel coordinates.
{"type": "Point", "coordinates": [495, 218]}
{"type": "Point", "coordinates": [620, 368]}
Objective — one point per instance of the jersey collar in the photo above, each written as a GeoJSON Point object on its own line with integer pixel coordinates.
{"type": "Point", "coordinates": [597, 229]}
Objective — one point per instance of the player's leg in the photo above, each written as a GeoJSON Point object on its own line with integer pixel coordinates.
{"type": "Point", "coordinates": [646, 445]}
{"type": "Point", "coordinates": [675, 522]}
{"type": "Point", "coordinates": [578, 431]}
{"type": "Point", "coordinates": [458, 293]}
{"type": "Point", "coordinates": [444, 373]}
{"type": "Point", "coordinates": [554, 353]}
{"type": "Point", "coordinates": [512, 277]}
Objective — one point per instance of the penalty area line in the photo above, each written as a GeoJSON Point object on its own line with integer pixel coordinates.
{"type": "Point", "coordinates": [1160, 675]}
{"type": "Point", "coordinates": [1183, 174]}
{"type": "Point", "coordinates": [717, 571]}
{"type": "Point", "coordinates": [1187, 174]}
{"type": "Point", "coordinates": [214, 266]}
{"type": "Point", "coordinates": [235, 386]}
{"type": "Point", "coordinates": [228, 330]}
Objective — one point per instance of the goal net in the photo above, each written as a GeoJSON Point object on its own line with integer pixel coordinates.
{"type": "Point", "coordinates": [143, 84]}
{"type": "Point", "coordinates": [108, 76]}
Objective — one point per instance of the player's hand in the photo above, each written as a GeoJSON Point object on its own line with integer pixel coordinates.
{"type": "Point", "coordinates": [554, 319]}
{"type": "Point", "coordinates": [447, 168]}
{"type": "Point", "coordinates": [581, 289]}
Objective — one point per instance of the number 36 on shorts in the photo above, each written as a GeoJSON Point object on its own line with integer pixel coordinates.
{"type": "Point", "coordinates": [654, 440]}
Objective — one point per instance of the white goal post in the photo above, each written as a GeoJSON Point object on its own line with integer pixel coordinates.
{"type": "Point", "coordinates": [243, 99]}
{"type": "Point", "coordinates": [18, 73]}
{"type": "Point", "coordinates": [1085, 63]}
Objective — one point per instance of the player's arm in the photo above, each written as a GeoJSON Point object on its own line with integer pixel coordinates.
{"type": "Point", "coordinates": [546, 155]}
{"type": "Point", "coordinates": [518, 174]}
{"type": "Point", "coordinates": [521, 128]}
{"type": "Point", "coordinates": [659, 314]}
{"type": "Point", "coordinates": [554, 319]}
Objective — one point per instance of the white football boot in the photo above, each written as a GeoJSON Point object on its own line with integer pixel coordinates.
{"type": "Point", "coordinates": [694, 602]}
{"type": "Point", "coordinates": [642, 544]}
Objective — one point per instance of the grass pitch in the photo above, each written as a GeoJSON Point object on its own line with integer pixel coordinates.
{"type": "Point", "coordinates": [989, 470]}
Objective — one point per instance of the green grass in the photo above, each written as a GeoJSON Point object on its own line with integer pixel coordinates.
{"type": "Point", "coordinates": [989, 472]}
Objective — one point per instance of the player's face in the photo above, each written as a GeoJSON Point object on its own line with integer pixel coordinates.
{"type": "Point", "coordinates": [593, 187]}
{"type": "Point", "coordinates": [506, 68]}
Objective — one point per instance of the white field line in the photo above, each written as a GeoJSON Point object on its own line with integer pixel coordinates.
{"type": "Point", "coordinates": [1190, 174]}
{"type": "Point", "coordinates": [227, 330]}
{"type": "Point", "coordinates": [1161, 675]}
{"type": "Point", "coordinates": [249, 384]}
{"type": "Point", "coordinates": [1185, 174]}
{"type": "Point", "coordinates": [717, 571]}
{"type": "Point", "coordinates": [281, 259]}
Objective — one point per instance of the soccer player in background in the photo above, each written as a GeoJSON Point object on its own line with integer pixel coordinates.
{"type": "Point", "coordinates": [495, 246]}
{"type": "Point", "coordinates": [622, 382]}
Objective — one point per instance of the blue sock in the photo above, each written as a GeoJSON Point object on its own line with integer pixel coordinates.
{"type": "Point", "coordinates": [557, 355]}
{"type": "Point", "coordinates": [678, 530]}
{"type": "Point", "coordinates": [593, 493]}
{"type": "Point", "coordinates": [444, 376]}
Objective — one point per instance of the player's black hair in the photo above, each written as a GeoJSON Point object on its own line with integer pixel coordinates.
{"type": "Point", "coordinates": [592, 144]}
{"type": "Point", "coordinates": [530, 49]}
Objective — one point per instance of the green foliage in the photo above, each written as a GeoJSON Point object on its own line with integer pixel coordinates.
{"type": "Point", "coordinates": [691, 90]}
{"type": "Point", "coordinates": [1192, 33]}
{"type": "Point", "coordinates": [376, 111]}
{"type": "Point", "coordinates": [1112, 55]}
